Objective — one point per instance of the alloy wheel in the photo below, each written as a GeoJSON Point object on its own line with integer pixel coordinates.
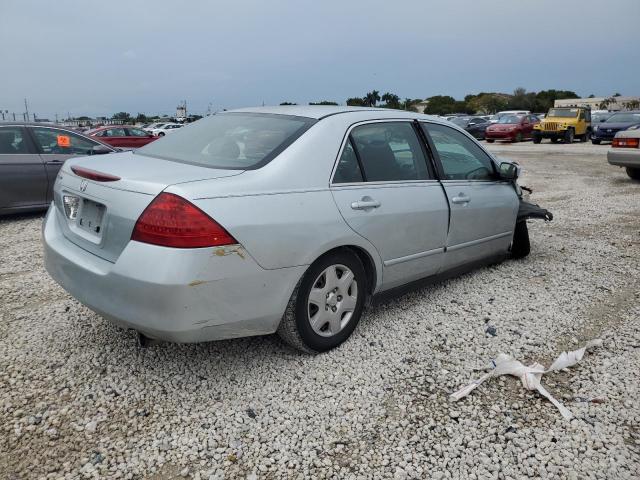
{"type": "Point", "coordinates": [332, 300]}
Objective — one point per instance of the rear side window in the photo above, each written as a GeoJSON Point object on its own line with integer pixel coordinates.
{"type": "Point", "coordinates": [389, 152]}
{"type": "Point", "coordinates": [12, 141]}
{"type": "Point", "coordinates": [115, 132]}
{"type": "Point", "coordinates": [348, 169]}
{"type": "Point", "coordinates": [136, 132]}
{"type": "Point", "coordinates": [54, 141]}
{"type": "Point", "coordinates": [230, 140]}
{"type": "Point", "coordinates": [461, 157]}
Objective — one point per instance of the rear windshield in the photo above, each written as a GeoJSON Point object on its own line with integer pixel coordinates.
{"type": "Point", "coordinates": [510, 119]}
{"type": "Point", "coordinates": [238, 141]}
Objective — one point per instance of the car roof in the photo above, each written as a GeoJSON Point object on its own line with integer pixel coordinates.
{"type": "Point", "coordinates": [309, 111]}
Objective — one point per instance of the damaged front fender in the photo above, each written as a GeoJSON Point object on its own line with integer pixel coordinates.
{"type": "Point", "coordinates": [530, 210]}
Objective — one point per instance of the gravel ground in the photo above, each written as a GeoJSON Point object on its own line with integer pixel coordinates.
{"type": "Point", "coordinates": [79, 400]}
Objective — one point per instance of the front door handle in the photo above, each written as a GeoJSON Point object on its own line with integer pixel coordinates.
{"type": "Point", "coordinates": [365, 204]}
{"type": "Point", "coordinates": [461, 199]}
{"type": "Point", "coordinates": [55, 162]}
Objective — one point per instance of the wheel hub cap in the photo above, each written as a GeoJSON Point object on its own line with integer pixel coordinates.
{"type": "Point", "coordinates": [332, 300]}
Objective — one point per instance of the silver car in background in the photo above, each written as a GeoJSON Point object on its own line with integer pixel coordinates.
{"type": "Point", "coordinates": [283, 219]}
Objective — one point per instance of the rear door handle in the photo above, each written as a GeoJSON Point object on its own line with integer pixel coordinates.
{"type": "Point", "coordinates": [365, 204]}
{"type": "Point", "coordinates": [461, 199]}
{"type": "Point", "coordinates": [55, 162]}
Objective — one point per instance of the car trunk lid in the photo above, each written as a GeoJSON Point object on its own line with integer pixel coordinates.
{"type": "Point", "coordinates": [98, 212]}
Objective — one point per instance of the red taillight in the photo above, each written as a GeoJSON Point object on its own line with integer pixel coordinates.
{"type": "Point", "coordinates": [94, 175]}
{"type": "Point", "coordinates": [626, 142]}
{"type": "Point", "coordinates": [171, 221]}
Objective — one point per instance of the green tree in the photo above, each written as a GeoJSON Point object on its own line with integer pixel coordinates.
{"type": "Point", "coordinates": [123, 116]}
{"type": "Point", "coordinates": [371, 98]}
{"type": "Point", "coordinates": [410, 104]}
{"type": "Point", "coordinates": [604, 105]}
{"type": "Point", "coordinates": [632, 105]}
{"type": "Point", "coordinates": [323, 102]}
{"type": "Point", "coordinates": [391, 100]}
{"type": "Point", "coordinates": [617, 94]}
{"type": "Point", "coordinates": [545, 98]}
{"type": "Point", "coordinates": [141, 118]}
{"type": "Point", "coordinates": [488, 103]}
{"type": "Point", "coordinates": [440, 105]}
{"type": "Point", "coordinates": [355, 102]}
{"type": "Point", "coordinates": [288, 103]}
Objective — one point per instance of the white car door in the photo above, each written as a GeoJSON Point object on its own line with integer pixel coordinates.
{"type": "Point", "coordinates": [385, 192]}
{"type": "Point", "coordinates": [483, 207]}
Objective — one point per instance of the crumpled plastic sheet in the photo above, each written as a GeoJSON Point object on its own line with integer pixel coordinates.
{"type": "Point", "coordinates": [530, 376]}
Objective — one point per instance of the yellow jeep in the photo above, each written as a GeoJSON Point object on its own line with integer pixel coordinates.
{"type": "Point", "coordinates": [564, 123]}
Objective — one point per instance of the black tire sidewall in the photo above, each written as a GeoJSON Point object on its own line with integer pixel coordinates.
{"type": "Point", "coordinates": [309, 337]}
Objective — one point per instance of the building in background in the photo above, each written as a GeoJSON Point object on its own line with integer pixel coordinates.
{"type": "Point", "coordinates": [181, 111]}
{"type": "Point", "coordinates": [613, 104]}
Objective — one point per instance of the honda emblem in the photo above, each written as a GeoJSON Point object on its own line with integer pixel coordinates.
{"type": "Point", "coordinates": [83, 185]}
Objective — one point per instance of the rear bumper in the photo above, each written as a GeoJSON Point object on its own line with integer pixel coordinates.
{"type": "Point", "coordinates": [178, 295]}
{"type": "Point", "coordinates": [624, 157]}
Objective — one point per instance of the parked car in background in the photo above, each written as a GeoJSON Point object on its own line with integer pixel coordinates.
{"type": "Point", "coordinates": [152, 126]}
{"type": "Point", "coordinates": [193, 226]}
{"type": "Point", "coordinates": [166, 128]}
{"type": "Point", "coordinates": [123, 136]}
{"type": "Point", "coordinates": [30, 157]}
{"type": "Point", "coordinates": [506, 113]}
{"type": "Point", "coordinates": [625, 151]}
{"type": "Point", "coordinates": [476, 126]}
{"type": "Point", "coordinates": [606, 130]}
{"type": "Point", "coordinates": [566, 123]}
{"type": "Point", "coordinates": [514, 128]}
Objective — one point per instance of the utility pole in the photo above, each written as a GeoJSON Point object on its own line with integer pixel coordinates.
{"type": "Point", "coordinates": [56, 118]}
{"type": "Point", "coordinates": [26, 109]}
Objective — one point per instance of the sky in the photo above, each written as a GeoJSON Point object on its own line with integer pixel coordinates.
{"type": "Point", "coordinates": [90, 57]}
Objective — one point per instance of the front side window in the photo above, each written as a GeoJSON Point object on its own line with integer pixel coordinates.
{"type": "Point", "coordinates": [12, 141]}
{"type": "Point", "coordinates": [461, 157]}
{"type": "Point", "coordinates": [389, 152]}
{"type": "Point", "coordinates": [54, 141]}
{"type": "Point", "coordinates": [231, 140]}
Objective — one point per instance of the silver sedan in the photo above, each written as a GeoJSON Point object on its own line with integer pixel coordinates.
{"type": "Point", "coordinates": [284, 219]}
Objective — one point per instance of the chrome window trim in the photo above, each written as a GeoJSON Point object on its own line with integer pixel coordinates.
{"type": "Point", "coordinates": [345, 139]}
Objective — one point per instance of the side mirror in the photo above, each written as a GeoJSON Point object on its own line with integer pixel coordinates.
{"type": "Point", "coordinates": [100, 150]}
{"type": "Point", "coordinates": [509, 171]}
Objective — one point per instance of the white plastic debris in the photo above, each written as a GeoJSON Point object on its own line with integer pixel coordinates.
{"type": "Point", "coordinates": [531, 375]}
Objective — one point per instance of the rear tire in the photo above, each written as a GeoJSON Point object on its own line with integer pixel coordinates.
{"type": "Point", "coordinates": [537, 138]}
{"type": "Point", "coordinates": [489, 140]}
{"type": "Point", "coordinates": [306, 325]}
{"type": "Point", "coordinates": [554, 140]}
{"type": "Point", "coordinates": [595, 142]}
{"type": "Point", "coordinates": [633, 173]}
{"type": "Point", "coordinates": [521, 245]}
{"type": "Point", "coordinates": [584, 138]}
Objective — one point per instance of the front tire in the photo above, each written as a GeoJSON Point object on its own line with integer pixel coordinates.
{"type": "Point", "coordinates": [326, 305]}
{"type": "Point", "coordinates": [537, 138]}
{"type": "Point", "coordinates": [489, 140]}
{"type": "Point", "coordinates": [595, 142]}
{"type": "Point", "coordinates": [633, 173]}
{"type": "Point", "coordinates": [521, 245]}
{"type": "Point", "coordinates": [518, 138]}
{"type": "Point", "coordinates": [569, 136]}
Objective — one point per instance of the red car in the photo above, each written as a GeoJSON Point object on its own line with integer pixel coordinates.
{"type": "Point", "coordinates": [514, 128]}
{"type": "Point", "coordinates": [122, 136]}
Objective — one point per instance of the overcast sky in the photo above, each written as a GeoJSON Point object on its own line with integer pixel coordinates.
{"type": "Point", "coordinates": [100, 57]}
